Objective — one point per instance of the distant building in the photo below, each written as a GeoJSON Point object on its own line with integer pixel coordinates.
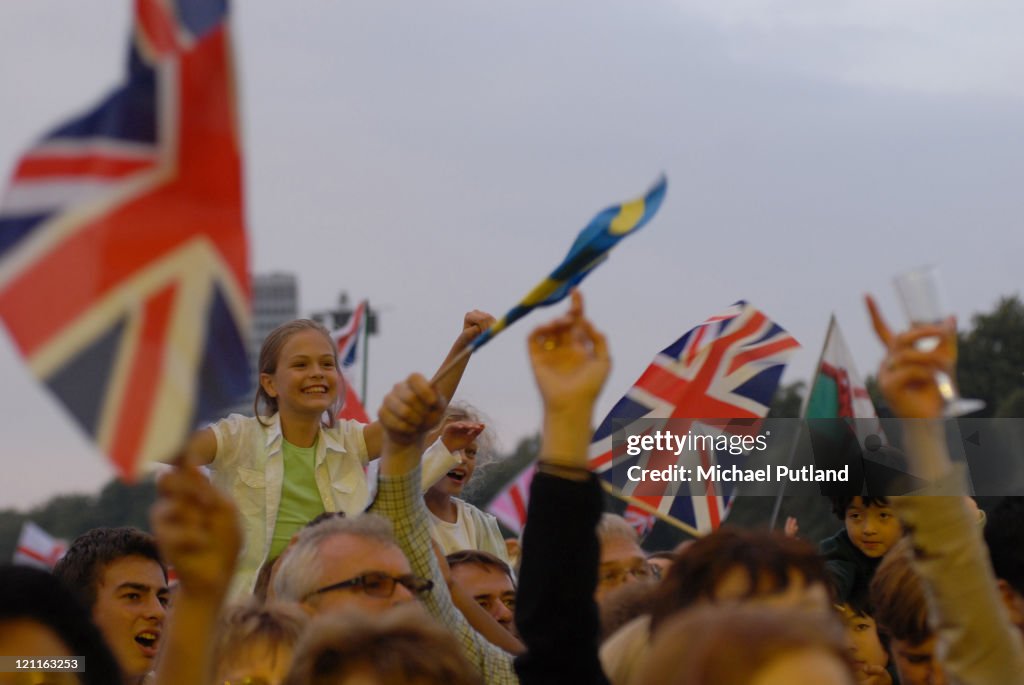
{"type": "Point", "coordinates": [275, 300]}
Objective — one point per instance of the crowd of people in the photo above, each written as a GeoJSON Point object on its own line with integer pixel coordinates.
{"type": "Point", "coordinates": [316, 551]}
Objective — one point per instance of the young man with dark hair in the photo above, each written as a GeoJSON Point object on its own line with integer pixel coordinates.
{"type": "Point", "coordinates": [488, 580]}
{"type": "Point", "coordinates": [870, 528]}
{"type": "Point", "coordinates": [117, 575]}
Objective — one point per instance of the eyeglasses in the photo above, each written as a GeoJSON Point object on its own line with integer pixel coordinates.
{"type": "Point", "coordinates": [618, 576]}
{"type": "Point", "coordinates": [377, 584]}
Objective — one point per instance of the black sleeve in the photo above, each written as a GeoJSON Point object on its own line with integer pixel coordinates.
{"type": "Point", "coordinates": [555, 609]}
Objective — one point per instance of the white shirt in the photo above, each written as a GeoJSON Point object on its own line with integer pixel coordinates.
{"type": "Point", "coordinates": [249, 465]}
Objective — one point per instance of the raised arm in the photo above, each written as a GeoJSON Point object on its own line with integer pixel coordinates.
{"type": "Point", "coordinates": [198, 533]}
{"type": "Point", "coordinates": [981, 646]}
{"type": "Point", "coordinates": [555, 609]}
{"type": "Point", "coordinates": [473, 324]}
{"type": "Point", "coordinates": [408, 412]}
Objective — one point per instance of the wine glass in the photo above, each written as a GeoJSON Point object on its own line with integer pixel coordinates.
{"type": "Point", "coordinates": [921, 296]}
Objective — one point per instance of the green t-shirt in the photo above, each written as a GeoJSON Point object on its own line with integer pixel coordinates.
{"type": "Point", "coordinates": [300, 498]}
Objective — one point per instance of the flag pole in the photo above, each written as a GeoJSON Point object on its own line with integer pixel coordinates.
{"type": "Point", "coordinates": [686, 528]}
{"type": "Point", "coordinates": [803, 415]}
{"type": "Point", "coordinates": [447, 368]}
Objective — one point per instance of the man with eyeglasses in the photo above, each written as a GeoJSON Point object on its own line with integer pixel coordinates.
{"type": "Point", "coordinates": [622, 559]}
{"type": "Point", "coordinates": [384, 558]}
{"type": "Point", "coordinates": [348, 562]}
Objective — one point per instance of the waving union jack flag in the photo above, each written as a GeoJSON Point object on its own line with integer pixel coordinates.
{"type": "Point", "coordinates": [123, 260]}
{"type": "Point", "coordinates": [348, 339]}
{"type": "Point", "coordinates": [726, 368]}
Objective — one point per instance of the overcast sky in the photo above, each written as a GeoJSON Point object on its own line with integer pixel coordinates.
{"type": "Point", "coordinates": [438, 157]}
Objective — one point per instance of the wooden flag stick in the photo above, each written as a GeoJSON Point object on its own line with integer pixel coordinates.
{"type": "Point", "coordinates": [447, 368]}
{"type": "Point", "coordinates": [685, 527]}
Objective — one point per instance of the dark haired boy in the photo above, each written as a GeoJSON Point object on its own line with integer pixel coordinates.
{"type": "Point", "coordinates": [116, 573]}
{"type": "Point", "coordinates": [488, 580]}
{"type": "Point", "coordinates": [870, 529]}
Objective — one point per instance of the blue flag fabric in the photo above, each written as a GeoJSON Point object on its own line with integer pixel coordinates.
{"type": "Point", "coordinates": [590, 248]}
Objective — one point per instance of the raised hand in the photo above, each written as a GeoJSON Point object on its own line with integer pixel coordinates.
{"type": "Point", "coordinates": [458, 435]}
{"type": "Point", "coordinates": [197, 531]}
{"type": "Point", "coordinates": [570, 360]}
{"type": "Point", "coordinates": [907, 376]}
{"type": "Point", "coordinates": [411, 409]}
{"type": "Point", "coordinates": [473, 324]}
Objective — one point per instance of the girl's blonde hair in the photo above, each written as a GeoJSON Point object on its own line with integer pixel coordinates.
{"type": "Point", "coordinates": [271, 352]}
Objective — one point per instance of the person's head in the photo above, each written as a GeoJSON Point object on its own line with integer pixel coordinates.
{"type": "Point", "coordinates": [489, 580]}
{"type": "Point", "coordinates": [622, 559]}
{"type": "Point", "coordinates": [475, 455]}
{"type": "Point", "coordinates": [117, 574]}
{"type": "Point", "coordinates": [39, 617]}
{"type": "Point", "coordinates": [747, 644]}
{"type": "Point", "coordinates": [1004, 535]}
{"type": "Point", "coordinates": [871, 524]}
{"type": "Point", "coordinates": [403, 647]}
{"type": "Point", "coordinates": [901, 612]}
{"type": "Point", "coordinates": [625, 603]}
{"type": "Point", "coordinates": [347, 563]}
{"type": "Point", "coordinates": [733, 566]}
{"type": "Point", "coordinates": [256, 642]}
{"type": "Point", "coordinates": [862, 637]}
{"type": "Point", "coordinates": [299, 373]}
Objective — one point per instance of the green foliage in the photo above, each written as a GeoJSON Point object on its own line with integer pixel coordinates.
{"type": "Point", "coordinates": [787, 401]}
{"type": "Point", "coordinates": [991, 355]}
{"type": "Point", "coordinates": [68, 516]}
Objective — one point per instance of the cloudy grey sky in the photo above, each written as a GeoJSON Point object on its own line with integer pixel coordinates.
{"type": "Point", "coordinates": [437, 157]}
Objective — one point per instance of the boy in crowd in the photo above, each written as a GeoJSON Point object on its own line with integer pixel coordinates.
{"type": "Point", "coordinates": [488, 580]}
{"type": "Point", "coordinates": [116, 573]}
{"type": "Point", "coordinates": [870, 529]}
{"type": "Point", "coordinates": [901, 609]}
{"type": "Point", "coordinates": [869, 655]}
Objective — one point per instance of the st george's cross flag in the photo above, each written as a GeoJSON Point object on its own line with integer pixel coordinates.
{"type": "Point", "coordinates": [123, 258]}
{"type": "Point", "coordinates": [38, 548]}
{"type": "Point", "coordinates": [718, 378]}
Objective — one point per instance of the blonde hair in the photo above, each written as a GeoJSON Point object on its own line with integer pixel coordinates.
{"type": "Point", "coordinates": [270, 354]}
{"type": "Point", "coordinates": [277, 623]}
{"type": "Point", "coordinates": [400, 646]}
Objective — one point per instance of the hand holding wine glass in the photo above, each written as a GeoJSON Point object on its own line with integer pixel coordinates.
{"type": "Point", "coordinates": [932, 336]}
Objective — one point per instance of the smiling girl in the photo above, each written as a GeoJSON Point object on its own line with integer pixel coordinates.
{"type": "Point", "coordinates": [294, 460]}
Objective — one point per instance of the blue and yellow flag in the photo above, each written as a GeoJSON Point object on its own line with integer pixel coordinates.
{"type": "Point", "coordinates": [590, 249]}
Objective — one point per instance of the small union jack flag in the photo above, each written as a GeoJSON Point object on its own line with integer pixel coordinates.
{"type": "Point", "coordinates": [510, 505]}
{"type": "Point", "coordinates": [726, 368]}
{"type": "Point", "coordinates": [348, 339]}
{"type": "Point", "coordinates": [123, 260]}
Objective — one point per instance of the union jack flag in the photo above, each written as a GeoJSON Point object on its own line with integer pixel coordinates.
{"type": "Point", "coordinates": [717, 378]}
{"type": "Point", "coordinates": [511, 503]}
{"type": "Point", "coordinates": [348, 338]}
{"type": "Point", "coordinates": [123, 260]}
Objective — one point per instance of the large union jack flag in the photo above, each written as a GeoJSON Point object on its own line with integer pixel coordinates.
{"type": "Point", "coordinates": [717, 378]}
{"type": "Point", "coordinates": [123, 260]}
